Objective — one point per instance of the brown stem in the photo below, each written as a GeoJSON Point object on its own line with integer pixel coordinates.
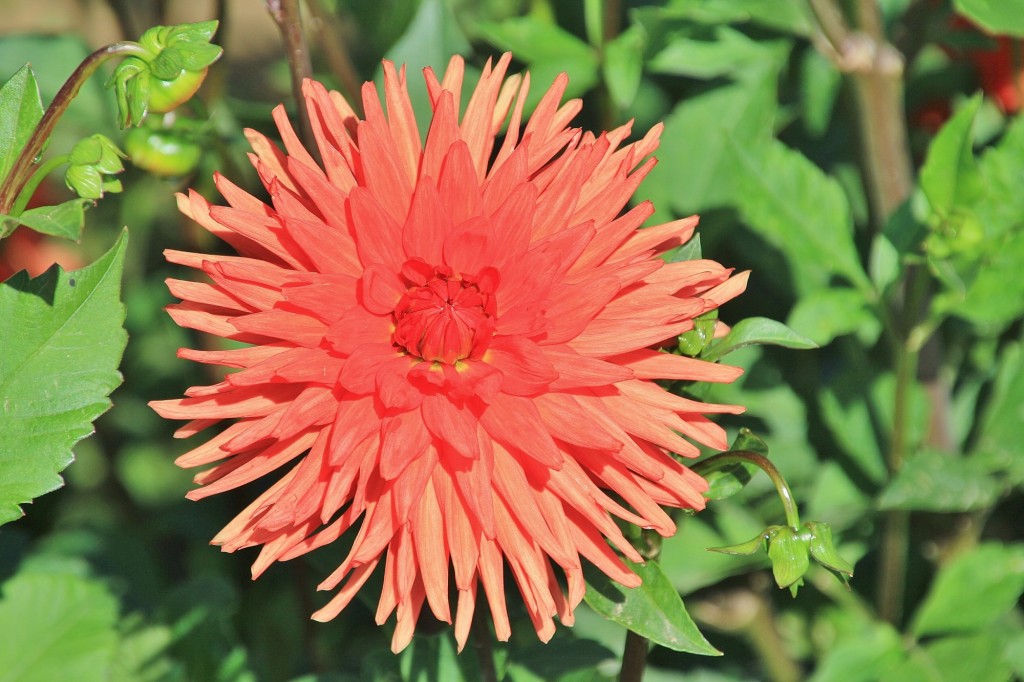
{"type": "Point", "coordinates": [20, 171]}
{"type": "Point", "coordinates": [288, 17]}
{"type": "Point", "coordinates": [333, 45]}
{"type": "Point", "coordinates": [482, 646]}
{"type": "Point", "coordinates": [634, 658]}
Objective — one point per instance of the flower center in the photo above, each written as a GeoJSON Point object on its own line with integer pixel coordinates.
{"type": "Point", "coordinates": [444, 317]}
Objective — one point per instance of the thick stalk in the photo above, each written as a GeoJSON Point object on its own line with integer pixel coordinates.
{"type": "Point", "coordinates": [20, 173]}
{"type": "Point", "coordinates": [482, 646]}
{"type": "Point", "coordinates": [634, 658]}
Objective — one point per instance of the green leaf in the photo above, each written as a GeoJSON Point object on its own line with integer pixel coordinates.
{"type": "Point", "coordinates": [1001, 17]}
{"type": "Point", "coordinates": [973, 590]}
{"type": "Point", "coordinates": [954, 659]}
{"type": "Point", "coordinates": [861, 656]}
{"type": "Point", "coordinates": [949, 177]}
{"type": "Point", "coordinates": [653, 610]}
{"type": "Point", "coordinates": [794, 206]}
{"type": "Point", "coordinates": [851, 421]}
{"type": "Point", "coordinates": [20, 112]}
{"type": "Point", "coordinates": [728, 53]}
{"type": "Point", "coordinates": [785, 15]}
{"type": "Point", "coordinates": [59, 626]}
{"type": "Point", "coordinates": [548, 49]}
{"type": "Point", "coordinates": [999, 438]}
{"type": "Point", "coordinates": [821, 82]}
{"type": "Point", "coordinates": [938, 482]}
{"type": "Point", "coordinates": [623, 66]}
{"type": "Point", "coordinates": [63, 339]}
{"type": "Point", "coordinates": [823, 549]}
{"type": "Point", "coordinates": [995, 296]}
{"type": "Point", "coordinates": [757, 330]}
{"type": "Point", "coordinates": [63, 220]}
{"type": "Point", "coordinates": [695, 171]}
{"type": "Point", "coordinates": [826, 314]}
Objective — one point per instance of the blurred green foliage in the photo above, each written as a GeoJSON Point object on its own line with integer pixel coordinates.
{"type": "Point", "coordinates": [917, 312]}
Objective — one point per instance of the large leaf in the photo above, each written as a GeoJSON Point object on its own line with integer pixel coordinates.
{"type": "Point", "coordinates": [730, 53]}
{"type": "Point", "coordinates": [938, 482]}
{"type": "Point", "coordinates": [62, 340]}
{"type": "Point", "coordinates": [949, 177]}
{"type": "Point", "coordinates": [825, 314]}
{"type": "Point", "coordinates": [56, 626]}
{"type": "Point", "coordinates": [695, 171]}
{"type": "Point", "coordinates": [794, 206]}
{"type": "Point", "coordinates": [20, 111]}
{"type": "Point", "coordinates": [861, 657]}
{"type": "Point", "coordinates": [973, 590]}
{"type": "Point", "coordinates": [1002, 17]}
{"type": "Point", "coordinates": [999, 440]}
{"type": "Point", "coordinates": [954, 659]}
{"type": "Point", "coordinates": [760, 331]}
{"type": "Point", "coordinates": [653, 610]}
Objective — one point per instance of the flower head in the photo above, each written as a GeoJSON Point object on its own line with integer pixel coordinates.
{"type": "Point", "coordinates": [449, 350]}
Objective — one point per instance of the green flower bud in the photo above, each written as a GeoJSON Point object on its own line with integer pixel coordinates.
{"type": "Point", "coordinates": [789, 554]}
{"type": "Point", "coordinates": [163, 152]}
{"type": "Point", "coordinates": [90, 161]}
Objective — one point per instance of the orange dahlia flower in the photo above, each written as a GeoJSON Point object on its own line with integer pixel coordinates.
{"type": "Point", "coordinates": [449, 350]}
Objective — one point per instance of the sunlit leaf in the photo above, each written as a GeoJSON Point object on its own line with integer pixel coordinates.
{"type": "Point", "coordinates": [63, 340]}
{"type": "Point", "coordinates": [654, 610]}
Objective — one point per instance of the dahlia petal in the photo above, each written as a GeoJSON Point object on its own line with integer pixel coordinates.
{"type": "Point", "coordinates": [477, 124]}
{"type": "Point", "coordinates": [238, 404]}
{"type": "Point", "coordinates": [579, 371]}
{"type": "Point", "coordinates": [566, 420]}
{"type": "Point", "coordinates": [377, 234]}
{"type": "Point", "coordinates": [403, 439]}
{"type": "Point", "coordinates": [458, 185]}
{"type": "Point", "coordinates": [301, 330]}
{"type": "Point", "coordinates": [515, 423]}
{"type": "Point", "coordinates": [262, 230]}
{"type": "Point", "coordinates": [660, 237]}
{"type": "Point", "coordinates": [326, 299]}
{"type": "Point", "coordinates": [492, 577]}
{"type": "Point", "coordinates": [191, 316]}
{"type": "Point", "coordinates": [329, 250]}
{"type": "Point", "coordinates": [408, 613]}
{"type": "Point", "coordinates": [291, 141]}
{"type": "Point", "coordinates": [618, 478]}
{"type": "Point", "coordinates": [432, 553]}
{"type": "Point", "coordinates": [464, 615]}
{"type": "Point", "coordinates": [354, 421]}
{"type": "Point", "coordinates": [402, 120]}
{"type": "Point", "coordinates": [359, 374]}
{"type": "Point", "coordinates": [427, 224]}
{"type": "Point", "coordinates": [472, 478]}
{"type": "Point", "coordinates": [213, 449]}
{"type": "Point", "coordinates": [471, 246]}
{"type": "Point", "coordinates": [443, 133]}
{"type": "Point", "coordinates": [380, 289]}
{"type": "Point", "coordinates": [356, 328]}
{"type": "Point", "coordinates": [592, 546]}
{"type": "Point", "coordinates": [606, 337]}
{"type": "Point", "coordinates": [454, 426]}
{"type": "Point", "coordinates": [346, 594]}
{"type": "Point", "coordinates": [574, 306]}
{"type": "Point", "coordinates": [240, 470]}
{"type": "Point", "coordinates": [652, 364]}
{"type": "Point", "coordinates": [206, 295]}
{"type": "Point", "coordinates": [526, 371]}
{"type": "Point", "coordinates": [385, 180]}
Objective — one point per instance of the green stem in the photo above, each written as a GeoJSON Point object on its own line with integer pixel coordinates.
{"type": "Point", "coordinates": [287, 15]}
{"type": "Point", "coordinates": [634, 658]}
{"type": "Point", "coordinates": [720, 461]}
{"type": "Point", "coordinates": [19, 175]}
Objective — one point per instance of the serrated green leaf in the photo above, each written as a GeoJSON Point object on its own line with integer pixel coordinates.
{"type": "Point", "coordinates": [63, 339]}
{"type": "Point", "coordinates": [759, 331]}
{"type": "Point", "coordinates": [695, 171]}
{"type": "Point", "coordinates": [939, 482]}
{"type": "Point", "coordinates": [972, 590]}
{"type": "Point", "coordinates": [864, 656]}
{"type": "Point", "coordinates": [63, 220]}
{"type": "Point", "coordinates": [794, 206]}
{"type": "Point", "coordinates": [623, 66]}
{"type": "Point", "coordinates": [999, 437]}
{"type": "Point", "coordinates": [954, 659]}
{"type": "Point", "coordinates": [653, 610]}
{"type": "Point", "coordinates": [826, 314]}
{"type": "Point", "coordinates": [548, 49]}
{"type": "Point", "coordinates": [949, 177]}
{"type": "Point", "coordinates": [58, 627]}
{"type": "Point", "coordinates": [728, 52]}
{"type": "Point", "coordinates": [20, 112]}
{"type": "Point", "coordinates": [995, 296]}
{"type": "Point", "coordinates": [1000, 17]}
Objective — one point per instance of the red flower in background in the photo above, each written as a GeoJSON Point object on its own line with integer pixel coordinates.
{"type": "Point", "coordinates": [449, 350]}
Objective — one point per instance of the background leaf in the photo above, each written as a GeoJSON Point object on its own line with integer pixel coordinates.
{"type": "Point", "coordinates": [973, 590]}
{"type": "Point", "coordinates": [58, 626]}
{"type": "Point", "coordinates": [63, 339]}
{"type": "Point", "coordinates": [1002, 17]}
{"type": "Point", "coordinates": [20, 111]}
{"type": "Point", "coordinates": [756, 330]}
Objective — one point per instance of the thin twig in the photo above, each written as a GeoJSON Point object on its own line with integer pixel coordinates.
{"type": "Point", "coordinates": [329, 36]}
{"type": "Point", "coordinates": [288, 17]}
{"type": "Point", "coordinates": [482, 646]}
